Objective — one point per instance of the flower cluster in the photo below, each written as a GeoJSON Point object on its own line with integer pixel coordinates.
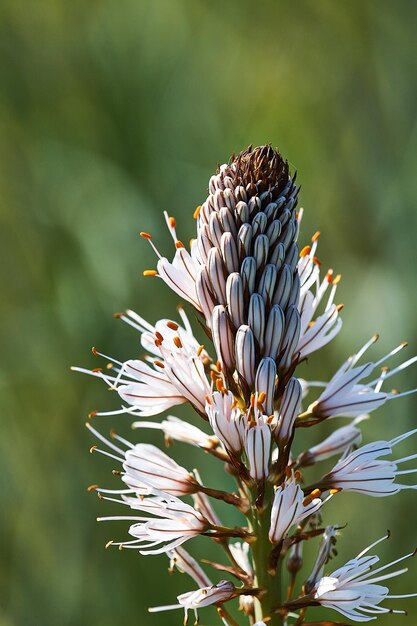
{"type": "Point", "coordinates": [264, 306]}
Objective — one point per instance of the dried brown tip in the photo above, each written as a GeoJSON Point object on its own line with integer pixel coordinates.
{"type": "Point", "coordinates": [92, 414]}
{"type": "Point", "coordinates": [117, 315]}
{"type": "Point", "coordinates": [92, 487]}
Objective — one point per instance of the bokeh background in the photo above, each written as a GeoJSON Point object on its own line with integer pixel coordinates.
{"type": "Point", "coordinates": [111, 112]}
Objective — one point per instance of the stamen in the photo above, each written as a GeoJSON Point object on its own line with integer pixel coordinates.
{"type": "Point", "coordinates": [375, 543]}
{"type": "Point", "coordinates": [112, 456]}
{"type": "Point", "coordinates": [390, 354]}
{"type": "Point", "coordinates": [365, 347]}
{"type": "Point", "coordinates": [400, 438]}
{"type": "Point", "coordinates": [150, 273]}
{"type": "Point", "coordinates": [171, 223]}
{"type": "Point", "coordinates": [128, 444]}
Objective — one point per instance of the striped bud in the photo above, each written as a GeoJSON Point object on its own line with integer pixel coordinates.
{"type": "Point", "coordinates": [265, 383]}
{"type": "Point", "coordinates": [288, 411]}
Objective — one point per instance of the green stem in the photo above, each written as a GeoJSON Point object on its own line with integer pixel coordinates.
{"type": "Point", "coordinates": [272, 585]}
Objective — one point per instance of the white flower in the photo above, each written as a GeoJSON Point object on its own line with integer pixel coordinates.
{"type": "Point", "coordinates": [146, 468]}
{"type": "Point", "coordinates": [155, 385]}
{"type": "Point", "coordinates": [363, 472]}
{"type": "Point", "coordinates": [258, 449]}
{"type": "Point", "coordinates": [316, 333]}
{"type": "Point", "coordinates": [180, 274]}
{"type": "Point", "coordinates": [194, 600]}
{"type": "Point", "coordinates": [147, 464]}
{"type": "Point", "coordinates": [347, 395]}
{"type": "Point", "coordinates": [175, 523]}
{"type": "Point", "coordinates": [352, 590]}
{"type": "Point", "coordinates": [226, 420]}
{"type": "Point", "coordinates": [290, 507]}
{"type": "Point", "coordinates": [339, 441]}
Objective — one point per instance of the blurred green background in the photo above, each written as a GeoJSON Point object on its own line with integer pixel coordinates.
{"type": "Point", "coordinates": [111, 112]}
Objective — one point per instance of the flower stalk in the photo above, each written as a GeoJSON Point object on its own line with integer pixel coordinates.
{"type": "Point", "coordinates": [264, 306]}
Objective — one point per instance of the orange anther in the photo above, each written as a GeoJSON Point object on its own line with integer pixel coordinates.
{"type": "Point", "coordinates": [197, 212]}
{"type": "Point", "coordinates": [340, 307]}
{"type": "Point", "coordinates": [200, 349]}
{"type": "Point", "coordinates": [117, 315]}
{"type": "Point", "coordinates": [337, 279]}
{"type": "Point", "coordinates": [96, 370]}
{"type": "Point", "coordinates": [334, 491]}
{"type": "Point", "coordinates": [94, 351]}
{"type": "Point", "coordinates": [145, 235]}
{"type": "Point", "coordinates": [92, 449]}
{"type": "Point", "coordinates": [316, 493]}
{"type": "Point", "coordinates": [159, 364]}
{"type": "Point", "coordinates": [316, 261]}
{"type": "Point", "coordinates": [177, 342]}
{"type": "Point", "coordinates": [172, 325]}
{"type": "Point", "coordinates": [219, 366]}
{"type": "Point", "coordinates": [306, 250]}
{"type": "Point", "coordinates": [92, 414]}
{"type": "Point", "coordinates": [109, 366]}
{"type": "Point", "coordinates": [219, 385]}
{"type": "Point", "coordinates": [179, 244]}
{"type": "Point", "coordinates": [329, 276]}
{"type": "Point", "coordinates": [261, 397]}
{"type": "Point", "coordinates": [92, 487]}
{"type": "Point", "coordinates": [315, 236]}
{"type": "Point", "coordinates": [150, 273]}
{"type": "Point", "coordinates": [172, 222]}
{"type": "Point", "coordinates": [159, 336]}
